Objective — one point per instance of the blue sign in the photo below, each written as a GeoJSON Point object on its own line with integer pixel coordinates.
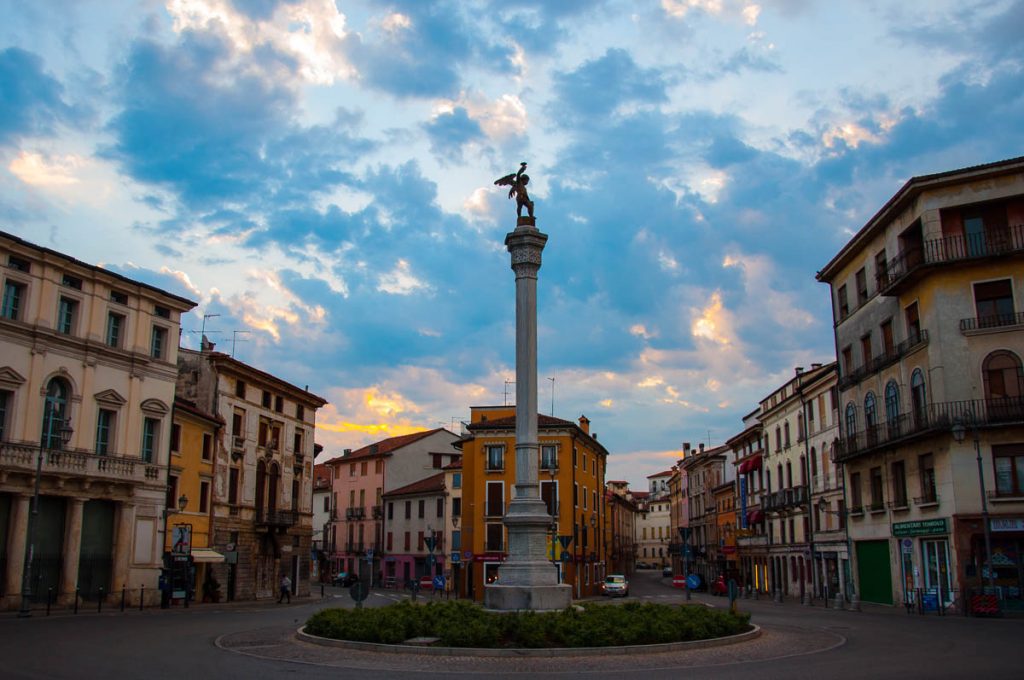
{"type": "Point", "coordinates": [693, 581]}
{"type": "Point", "coordinates": [439, 582]}
{"type": "Point", "coordinates": [743, 502]}
{"type": "Point", "coordinates": [456, 557]}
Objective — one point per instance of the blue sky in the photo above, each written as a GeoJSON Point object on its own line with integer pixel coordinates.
{"type": "Point", "coordinates": [319, 174]}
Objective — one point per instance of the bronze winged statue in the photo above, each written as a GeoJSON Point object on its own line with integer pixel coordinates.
{"type": "Point", "coordinates": [518, 182]}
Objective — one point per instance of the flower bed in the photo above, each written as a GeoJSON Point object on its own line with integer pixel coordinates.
{"type": "Point", "coordinates": [464, 624]}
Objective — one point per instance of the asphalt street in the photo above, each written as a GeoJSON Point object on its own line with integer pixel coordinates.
{"type": "Point", "coordinates": [256, 640]}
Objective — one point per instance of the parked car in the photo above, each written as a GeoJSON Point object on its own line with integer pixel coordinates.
{"type": "Point", "coordinates": [666, 572]}
{"type": "Point", "coordinates": [615, 585]}
{"type": "Point", "coordinates": [643, 565]}
{"type": "Point", "coordinates": [344, 579]}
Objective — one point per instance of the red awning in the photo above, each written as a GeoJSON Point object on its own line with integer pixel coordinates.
{"type": "Point", "coordinates": [750, 464]}
{"type": "Point", "coordinates": [754, 516]}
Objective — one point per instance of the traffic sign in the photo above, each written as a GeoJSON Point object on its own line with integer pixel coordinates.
{"type": "Point", "coordinates": [439, 582]}
{"type": "Point", "coordinates": [565, 541]}
{"type": "Point", "coordinates": [358, 591]}
{"type": "Point", "coordinates": [431, 560]}
{"type": "Point", "coordinates": [456, 557]}
{"type": "Point", "coordinates": [431, 542]}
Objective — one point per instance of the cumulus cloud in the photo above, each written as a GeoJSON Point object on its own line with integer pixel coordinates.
{"type": "Point", "coordinates": [400, 280]}
{"type": "Point", "coordinates": [33, 102]}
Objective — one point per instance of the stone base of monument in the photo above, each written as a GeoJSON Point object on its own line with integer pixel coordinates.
{"type": "Point", "coordinates": [534, 598]}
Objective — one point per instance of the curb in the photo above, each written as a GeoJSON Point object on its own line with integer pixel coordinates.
{"type": "Point", "coordinates": [753, 633]}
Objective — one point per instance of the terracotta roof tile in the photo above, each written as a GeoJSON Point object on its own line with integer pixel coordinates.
{"type": "Point", "coordinates": [389, 445]}
{"type": "Point", "coordinates": [432, 484]}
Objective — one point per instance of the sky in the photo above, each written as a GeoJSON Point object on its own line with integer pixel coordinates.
{"type": "Point", "coordinates": [318, 176]}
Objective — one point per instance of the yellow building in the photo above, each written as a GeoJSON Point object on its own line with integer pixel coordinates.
{"type": "Point", "coordinates": [571, 475]}
{"type": "Point", "coordinates": [189, 488]}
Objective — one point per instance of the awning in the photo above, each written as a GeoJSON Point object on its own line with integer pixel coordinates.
{"type": "Point", "coordinates": [206, 555]}
{"type": "Point", "coordinates": [750, 464]}
{"type": "Point", "coordinates": [754, 516]}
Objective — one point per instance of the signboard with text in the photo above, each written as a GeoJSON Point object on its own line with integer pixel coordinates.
{"type": "Point", "coordinates": [922, 527]}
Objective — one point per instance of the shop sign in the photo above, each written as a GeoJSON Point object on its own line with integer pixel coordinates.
{"type": "Point", "coordinates": [923, 527]}
{"type": "Point", "coordinates": [489, 557]}
{"type": "Point", "coordinates": [1003, 524]}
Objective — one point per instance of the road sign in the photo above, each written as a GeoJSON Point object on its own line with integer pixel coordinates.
{"type": "Point", "coordinates": [369, 553]}
{"type": "Point", "coordinates": [693, 581]}
{"type": "Point", "coordinates": [565, 541]}
{"type": "Point", "coordinates": [456, 557]}
{"type": "Point", "coordinates": [679, 581]}
{"type": "Point", "coordinates": [358, 591]}
{"type": "Point", "coordinates": [431, 542]}
{"type": "Point", "coordinates": [467, 556]}
{"type": "Point", "coordinates": [439, 582]}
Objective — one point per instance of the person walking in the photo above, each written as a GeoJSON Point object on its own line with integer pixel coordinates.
{"type": "Point", "coordinates": [286, 589]}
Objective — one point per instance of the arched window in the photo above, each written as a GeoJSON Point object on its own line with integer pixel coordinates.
{"type": "Point", "coordinates": [918, 398]}
{"type": "Point", "coordinates": [261, 483]}
{"type": "Point", "coordinates": [814, 462]}
{"type": "Point", "coordinates": [851, 420]}
{"type": "Point", "coordinates": [778, 438]}
{"type": "Point", "coordinates": [1002, 375]}
{"type": "Point", "coordinates": [892, 404]}
{"type": "Point", "coordinates": [768, 481]}
{"type": "Point", "coordinates": [803, 471]}
{"type": "Point", "coordinates": [55, 412]}
{"type": "Point", "coordinates": [786, 426]}
{"type": "Point", "coordinates": [789, 475]}
{"type": "Point", "coordinates": [274, 487]}
{"type": "Point", "coordinates": [870, 414]}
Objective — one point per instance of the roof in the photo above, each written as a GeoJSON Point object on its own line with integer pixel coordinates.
{"type": "Point", "coordinates": [321, 475]}
{"type": "Point", "coordinates": [94, 268]}
{"type": "Point", "coordinates": [666, 473]}
{"type": "Point", "coordinates": [640, 495]}
{"type": "Point", "coordinates": [241, 366]}
{"type": "Point", "coordinates": [386, 446]}
{"type": "Point", "coordinates": [432, 484]}
{"type": "Point", "coordinates": [543, 423]}
{"type": "Point", "coordinates": [191, 409]}
{"type": "Point", "coordinates": [908, 192]}
{"type": "Point", "coordinates": [454, 465]}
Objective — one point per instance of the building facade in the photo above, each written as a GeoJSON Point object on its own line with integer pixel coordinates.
{"type": "Point", "coordinates": [751, 531]}
{"type": "Point", "coordinates": [571, 478]}
{"type": "Point", "coordinates": [654, 522]}
{"type": "Point", "coordinates": [93, 353]}
{"type": "Point", "coordinates": [323, 528]}
{"type": "Point", "coordinates": [414, 539]}
{"type": "Point", "coordinates": [263, 471]}
{"type": "Point", "coordinates": [930, 338]}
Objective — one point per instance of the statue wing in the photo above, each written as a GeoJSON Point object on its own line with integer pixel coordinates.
{"type": "Point", "coordinates": [506, 181]}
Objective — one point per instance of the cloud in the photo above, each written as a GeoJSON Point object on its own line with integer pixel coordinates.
{"type": "Point", "coordinates": [38, 170]}
{"type": "Point", "coordinates": [450, 131]}
{"type": "Point", "coordinates": [600, 87]}
{"type": "Point", "coordinates": [400, 281]}
{"type": "Point", "coordinates": [32, 102]}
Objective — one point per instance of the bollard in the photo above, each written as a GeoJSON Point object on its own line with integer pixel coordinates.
{"type": "Point", "coordinates": [76, 599]}
{"type": "Point", "coordinates": [321, 591]}
{"type": "Point", "coordinates": [778, 597]}
{"type": "Point", "coordinates": [124, 593]}
{"type": "Point", "coordinates": [854, 603]}
{"type": "Point", "coordinates": [142, 596]}
{"type": "Point", "coordinates": [837, 602]}
{"type": "Point", "coordinates": [49, 599]}
{"type": "Point", "coordinates": [805, 600]}
{"type": "Point", "coordinates": [99, 602]}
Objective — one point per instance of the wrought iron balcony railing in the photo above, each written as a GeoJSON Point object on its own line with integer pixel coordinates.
{"type": "Point", "coordinates": [993, 321]}
{"type": "Point", "coordinates": [883, 360]}
{"type": "Point", "coordinates": [931, 419]}
{"type": "Point", "coordinates": [991, 243]}
{"type": "Point", "coordinates": [276, 518]}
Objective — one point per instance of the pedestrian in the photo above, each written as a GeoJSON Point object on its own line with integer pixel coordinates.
{"type": "Point", "coordinates": [286, 589]}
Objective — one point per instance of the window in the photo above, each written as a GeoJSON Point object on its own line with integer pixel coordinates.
{"type": "Point", "coordinates": [19, 264]}
{"type": "Point", "coordinates": [456, 506]}
{"type": "Point", "coordinates": [279, 404]}
{"type": "Point", "coordinates": [14, 293]}
{"type": "Point", "coordinates": [66, 315]}
{"type": "Point", "coordinates": [575, 495]}
{"type": "Point", "coordinates": [421, 509]}
{"type": "Point", "coordinates": [856, 500]}
{"type": "Point", "coordinates": [419, 541]}
{"type": "Point", "coordinates": [549, 494]}
{"type": "Point", "coordinates": [913, 319]}
{"type": "Point", "coordinates": [240, 389]}
{"type": "Point", "coordinates": [847, 361]}
{"type": "Point", "coordinates": [390, 542]}
{"type": "Point", "coordinates": [870, 413]}
{"type": "Point", "coordinates": [119, 297]}
{"type": "Point", "coordinates": [407, 541]}
{"type": "Point", "coordinates": [456, 540]}
{"type": "Point", "coordinates": [495, 537]}
{"type": "Point", "coordinates": [574, 453]}
{"type": "Point", "coordinates": [548, 457]}
{"type": "Point", "coordinates": [1008, 460]}
{"type": "Point", "coordinates": [888, 344]}
{"type": "Point", "coordinates": [115, 328]}
{"type": "Point", "coordinates": [364, 467]}
{"type": "Point", "coordinates": [150, 428]}
{"type": "Point", "coordinates": [456, 480]}
{"type": "Point", "coordinates": [204, 496]}
{"type": "Point", "coordinates": [843, 303]}
{"type": "Point", "coordinates": [778, 438]}
{"type": "Point", "coordinates": [862, 286]}
{"type": "Point", "coordinates": [300, 412]}
{"type": "Point", "coordinates": [495, 457]}
{"type": "Point", "coordinates": [495, 499]}
{"type": "Point", "coordinates": [391, 511]}
{"type": "Point", "coordinates": [785, 427]}
{"type": "Point", "coordinates": [6, 407]}
{"type": "Point", "coordinates": [899, 484]}
{"type": "Point", "coordinates": [918, 397]}
{"type": "Point", "coordinates": [105, 431]}
{"type": "Point", "coordinates": [865, 350]}
{"type": "Point", "coordinates": [877, 498]}
{"type": "Point", "coordinates": [437, 461]}
{"type": "Point", "coordinates": [172, 492]}
{"type": "Point", "coordinates": [926, 471]}
{"type": "Point", "coordinates": [175, 438]}
{"type": "Point", "coordinates": [439, 508]}
{"type": "Point", "coordinates": [158, 342]}
{"type": "Point", "coordinates": [993, 301]}
{"type": "Point", "coordinates": [297, 441]}
{"type": "Point", "coordinates": [881, 269]}
{"type": "Point", "coordinates": [892, 406]}
{"type": "Point", "coordinates": [162, 312]}
{"type": "Point", "coordinates": [238, 423]}
{"type": "Point", "coordinates": [267, 398]}
{"type": "Point", "coordinates": [408, 509]}
{"type": "Point", "coordinates": [1004, 385]}
{"type": "Point", "coordinates": [233, 486]}
{"type": "Point", "coordinates": [58, 392]}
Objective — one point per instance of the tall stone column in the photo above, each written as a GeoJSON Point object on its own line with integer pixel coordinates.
{"type": "Point", "coordinates": [72, 548]}
{"type": "Point", "coordinates": [123, 546]}
{"type": "Point", "coordinates": [20, 509]}
{"type": "Point", "coordinates": [527, 580]}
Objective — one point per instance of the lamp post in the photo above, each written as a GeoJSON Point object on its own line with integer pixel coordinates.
{"type": "Point", "coordinates": [51, 410]}
{"type": "Point", "coordinates": [959, 434]}
{"type": "Point", "coordinates": [455, 548]}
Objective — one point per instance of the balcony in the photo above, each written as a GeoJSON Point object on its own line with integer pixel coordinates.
{"type": "Point", "coordinates": [990, 323]}
{"type": "Point", "coordinates": [75, 463]}
{"type": "Point", "coordinates": [933, 419]}
{"type": "Point", "coordinates": [355, 548]}
{"type": "Point", "coordinates": [794, 498]}
{"type": "Point", "coordinates": [355, 513]}
{"type": "Point", "coordinates": [280, 519]}
{"type": "Point", "coordinates": [911, 344]}
{"type": "Point", "coordinates": [377, 511]}
{"type": "Point", "coordinates": [911, 264]}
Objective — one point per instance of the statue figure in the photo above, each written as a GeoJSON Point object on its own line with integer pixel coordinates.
{"type": "Point", "coordinates": [518, 182]}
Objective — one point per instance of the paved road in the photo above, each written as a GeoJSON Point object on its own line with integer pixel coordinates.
{"type": "Point", "coordinates": [797, 642]}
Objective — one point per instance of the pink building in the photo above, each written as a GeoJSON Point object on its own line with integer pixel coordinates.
{"type": "Point", "coordinates": [362, 477]}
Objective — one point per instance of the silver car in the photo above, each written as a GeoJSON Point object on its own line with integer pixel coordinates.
{"type": "Point", "coordinates": [615, 584]}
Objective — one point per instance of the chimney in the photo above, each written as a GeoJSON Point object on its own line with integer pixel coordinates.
{"type": "Point", "coordinates": [702, 447]}
{"type": "Point", "coordinates": [594, 436]}
{"type": "Point", "coordinates": [815, 367]}
{"type": "Point", "coordinates": [686, 449]}
{"type": "Point", "coordinates": [799, 370]}
{"type": "Point", "coordinates": [373, 449]}
{"type": "Point", "coordinates": [205, 345]}
{"type": "Point", "coordinates": [585, 425]}
{"type": "Point", "coordinates": [346, 452]}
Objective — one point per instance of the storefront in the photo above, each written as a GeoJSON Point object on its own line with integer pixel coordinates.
{"type": "Point", "coordinates": [925, 568]}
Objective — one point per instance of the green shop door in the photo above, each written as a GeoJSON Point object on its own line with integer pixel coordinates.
{"type": "Point", "coordinates": [874, 571]}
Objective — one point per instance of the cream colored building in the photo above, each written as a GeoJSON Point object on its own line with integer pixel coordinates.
{"type": "Point", "coordinates": [653, 524]}
{"type": "Point", "coordinates": [99, 350]}
{"type": "Point", "coordinates": [928, 300]}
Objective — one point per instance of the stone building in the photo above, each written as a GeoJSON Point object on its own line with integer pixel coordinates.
{"type": "Point", "coordinates": [93, 353]}
{"type": "Point", "coordinates": [263, 471]}
{"type": "Point", "coordinates": [927, 303]}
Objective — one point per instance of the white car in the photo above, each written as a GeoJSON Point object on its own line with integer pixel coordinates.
{"type": "Point", "coordinates": [615, 584]}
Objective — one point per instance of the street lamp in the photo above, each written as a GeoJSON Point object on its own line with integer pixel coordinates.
{"type": "Point", "coordinates": [65, 431]}
{"type": "Point", "coordinates": [454, 547]}
{"type": "Point", "coordinates": [182, 502]}
{"type": "Point", "coordinates": [959, 434]}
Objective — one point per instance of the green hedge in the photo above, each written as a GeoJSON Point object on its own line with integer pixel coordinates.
{"type": "Point", "coordinates": [465, 624]}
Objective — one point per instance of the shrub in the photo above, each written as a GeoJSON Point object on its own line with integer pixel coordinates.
{"type": "Point", "coordinates": [464, 624]}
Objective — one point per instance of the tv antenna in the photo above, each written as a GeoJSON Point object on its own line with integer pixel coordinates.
{"type": "Point", "coordinates": [507, 383]}
{"type": "Point", "coordinates": [234, 339]}
{"type": "Point", "coordinates": [552, 396]}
